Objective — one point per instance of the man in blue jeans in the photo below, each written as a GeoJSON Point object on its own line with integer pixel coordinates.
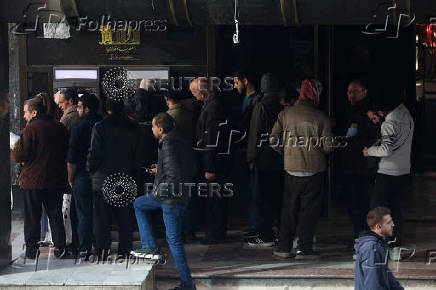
{"type": "Point", "coordinates": [78, 175]}
{"type": "Point", "coordinates": [171, 192]}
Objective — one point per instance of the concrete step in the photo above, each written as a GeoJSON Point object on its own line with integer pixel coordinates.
{"type": "Point", "coordinates": [277, 283]}
{"type": "Point", "coordinates": [70, 274]}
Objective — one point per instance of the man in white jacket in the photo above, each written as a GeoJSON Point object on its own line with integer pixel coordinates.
{"type": "Point", "coordinates": [393, 178]}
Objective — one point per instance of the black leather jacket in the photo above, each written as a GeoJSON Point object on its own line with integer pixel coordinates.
{"type": "Point", "coordinates": [175, 170]}
{"type": "Point", "coordinates": [115, 148]}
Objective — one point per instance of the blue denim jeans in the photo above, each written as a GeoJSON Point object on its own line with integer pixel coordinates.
{"type": "Point", "coordinates": [172, 216]}
{"type": "Point", "coordinates": [82, 193]}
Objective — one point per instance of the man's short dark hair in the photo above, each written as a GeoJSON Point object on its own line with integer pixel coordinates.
{"type": "Point", "coordinates": [164, 121]}
{"type": "Point", "coordinates": [115, 106]}
{"type": "Point", "coordinates": [91, 102]}
{"type": "Point", "coordinates": [70, 94]}
{"type": "Point", "coordinates": [247, 74]}
{"type": "Point", "coordinates": [376, 215]}
{"type": "Point", "coordinates": [362, 82]}
{"type": "Point", "coordinates": [35, 104]}
{"type": "Point", "coordinates": [175, 96]}
{"type": "Point", "coordinates": [289, 94]}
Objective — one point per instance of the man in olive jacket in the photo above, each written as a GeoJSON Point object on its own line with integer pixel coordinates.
{"type": "Point", "coordinates": [303, 134]}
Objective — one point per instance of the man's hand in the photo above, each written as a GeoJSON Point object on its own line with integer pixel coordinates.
{"type": "Point", "coordinates": [71, 169]}
{"type": "Point", "coordinates": [210, 176]}
{"type": "Point", "coordinates": [154, 169]}
{"type": "Point", "coordinates": [365, 151]}
{"type": "Point", "coordinates": [251, 166]}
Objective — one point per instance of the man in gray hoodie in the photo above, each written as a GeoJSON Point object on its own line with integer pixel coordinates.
{"type": "Point", "coordinates": [393, 174]}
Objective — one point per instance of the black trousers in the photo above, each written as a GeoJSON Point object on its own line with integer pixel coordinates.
{"type": "Point", "coordinates": [360, 188]}
{"type": "Point", "coordinates": [389, 192]}
{"type": "Point", "coordinates": [302, 200]}
{"type": "Point", "coordinates": [103, 221]}
{"type": "Point", "coordinates": [217, 209]}
{"type": "Point", "coordinates": [51, 199]}
{"type": "Point", "coordinates": [268, 198]}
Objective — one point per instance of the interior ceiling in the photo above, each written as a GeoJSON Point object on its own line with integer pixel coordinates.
{"type": "Point", "coordinates": [201, 12]}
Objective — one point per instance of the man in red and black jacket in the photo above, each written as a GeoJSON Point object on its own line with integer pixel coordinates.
{"type": "Point", "coordinates": [42, 147]}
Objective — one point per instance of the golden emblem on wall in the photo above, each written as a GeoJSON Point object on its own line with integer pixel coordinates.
{"type": "Point", "coordinates": [119, 37]}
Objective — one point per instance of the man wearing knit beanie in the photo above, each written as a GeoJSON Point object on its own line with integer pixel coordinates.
{"type": "Point", "coordinates": [303, 135]}
{"type": "Point", "coordinates": [265, 163]}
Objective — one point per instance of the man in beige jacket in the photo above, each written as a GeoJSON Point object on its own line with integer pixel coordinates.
{"type": "Point", "coordinates": [303, 135]}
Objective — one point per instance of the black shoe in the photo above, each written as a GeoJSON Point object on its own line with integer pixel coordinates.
{"type": "Point", "coordinates": [251, 234]}
{"type": "Point", "coordinates": [306, 255]}
{"type": "Point", "coordinates": [30, 254]}
{"type": "Point", "coordinates": [282, 253]}
{"type": "Point", "coordinates": [60, 253]}
{"type": "Point", "coordinates": [258, 242]}
{"type": "Point", "coordinates": [213, 241]}
{"type": "Point", "coordinates": [72, 251]}
{"type": "Point", "coordinates": [103, 254]}
{"type": "Point", "coordinates": [184, 287]}
{"type": "Point", "coordinates": [84, 255]}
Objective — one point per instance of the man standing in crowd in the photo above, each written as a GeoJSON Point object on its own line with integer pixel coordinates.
{"type": "Point", "coordinates": [78, 176]}
{"type": "Point", "coordinates": [114, 149]}
{"type": "Point", "coordinates": [70, 118]}
{"type": "Point", "coordinates": [393, 178]}
{"type": "Point", "coordinates": [68, 103]}
{"type": "Point", "coordinates": [372, 271]}
{"type": "Point", "coordinates": [42, 148]}
{"type": "Point", "coordinates": [211, 135]}
{"type": "Point", "coordinates": [184, 118]}
{"type": "Point", "coordinates": [358, 171]}
{"type": "Point", "coordinates": [146, 102]}
{"type": "Point", "coordinates": [245, 83]}
{"type": "Point", "coordinates": [265, 163]}
{"type": "Point", "coordinates": [185, 121]}
{"type": "Point", "coordinates": [307, 137]}
{"type": "Point", "coordinates": [171, 193]}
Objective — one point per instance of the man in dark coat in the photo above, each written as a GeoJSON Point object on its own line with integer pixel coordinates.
{"type": "Point", "coordinates": [146, 102]}
{"type": "Point", "coordinates": [114, 158]}
{"type": "Point", "coordinates": [78, 177]}
{"type": "Point", "coordinates": [42, 148]}
{"type": "Point", "coordinates": [212, 144]}
{"type": "Point", "coordinates": [359, 172]}
{"type": "Point", "coordinates": [245, 82]}
{"type": "Point", "coordinates": [265, 163]}
{"type": "Point", "coordinates": [372, 271]}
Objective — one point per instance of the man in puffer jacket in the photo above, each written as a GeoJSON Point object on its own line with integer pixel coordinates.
{"type": "Point", "coordinates": [372, 271]}
{"type": "Point", "coordinates": [170, 193]}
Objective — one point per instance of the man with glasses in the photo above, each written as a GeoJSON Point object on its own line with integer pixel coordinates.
{"type": "Point", "coordinates": [359, 174]}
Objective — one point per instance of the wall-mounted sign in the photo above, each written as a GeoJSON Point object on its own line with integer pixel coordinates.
{"type": "Point", "coordinates": [119, 44]}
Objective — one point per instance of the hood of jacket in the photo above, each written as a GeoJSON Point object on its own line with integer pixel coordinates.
{"type": "Point", "coordinates": [366, 240]}
{"type": "Point", "coordinates": [399, 115]}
